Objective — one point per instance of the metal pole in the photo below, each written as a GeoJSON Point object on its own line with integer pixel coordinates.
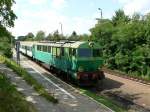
{"type": "Point", "coordinates": [101, 12]}
{"type": "Point", "coordinates": [61, 28]}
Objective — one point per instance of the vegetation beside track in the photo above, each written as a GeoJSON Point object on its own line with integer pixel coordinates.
{"type": "Point", "coordinates": [10, 99]}
{"type": "Point", "coordinates": [104, 100]}
{"type": "Point", "coordinates": [28, 78]}
{"type": "Point", "coordinates": [125, 42]}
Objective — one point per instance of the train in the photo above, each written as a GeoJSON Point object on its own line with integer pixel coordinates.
{"type": "Point", "coordinates": [79, 61]}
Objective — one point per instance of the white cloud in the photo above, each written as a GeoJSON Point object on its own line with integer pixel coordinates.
{"type": "Point", "coordinates": [37, 2]}
{"type": "Point", "coordinates": [132, 6]}
{"type": "Point", "coordinates": [59, 4]}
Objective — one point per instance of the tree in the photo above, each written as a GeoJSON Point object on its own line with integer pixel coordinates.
{"type": "Point", "coordinates": [125, 43]}
{"type": "Point", "coordinates": [40, 36]}
{"type": "Point", "coordinates": [49, 37]}
{"type": "Point", "coordinates": [56, 36]}
{"type": "Point", "coordinates": [84, 37]}
{"type": "Point", "coordinates": [120, 17]}
{"type": "Point", "coordinates": [29, 36]}
{"type": "Point", "coordinates": [73, 36]}
{"type": "Point", "coordinates": [6, 13]}
{"type": "Point", "coordinates": [7, 18]}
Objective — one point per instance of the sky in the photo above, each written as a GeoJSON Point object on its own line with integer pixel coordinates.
{"type": "Point", "coordinates": [73, 15]}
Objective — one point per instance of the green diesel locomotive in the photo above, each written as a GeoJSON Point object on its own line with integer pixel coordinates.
{"type": "Point", "coordinates": [79, 60]}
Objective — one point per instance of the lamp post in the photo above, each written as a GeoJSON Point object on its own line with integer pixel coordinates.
{"type": "Point", "coordinates": [101, 12]}
{"type": "Point", "coordinates": [61, 28]}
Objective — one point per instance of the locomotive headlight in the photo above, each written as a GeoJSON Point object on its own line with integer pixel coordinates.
{"type": "Point", "coordinates": [80, 69]}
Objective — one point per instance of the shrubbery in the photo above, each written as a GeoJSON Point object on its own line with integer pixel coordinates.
{"type": "Point", "coordinates": [125, 43]}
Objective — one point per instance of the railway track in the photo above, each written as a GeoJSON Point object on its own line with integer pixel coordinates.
{"type": "Point", "coordinates": [119, 100]}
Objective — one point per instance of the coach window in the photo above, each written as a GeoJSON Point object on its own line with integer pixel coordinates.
{"type": "Point", "coordinates": [45, 48]}
{"type": "Point", "coordinates": [49, 49]}
{"type": "Point", "coordinates": [62, 51]}
{"type": "Point", "coordinates": [70, 51]}
{"type": "Point", "coordinates": [54, 51]}
{"type": "Point", "coordinates": [74, 52]}
{"type": "Point", "coordinates": [58, 51]}
{"type": "Point", "coordinates": [38, 47]}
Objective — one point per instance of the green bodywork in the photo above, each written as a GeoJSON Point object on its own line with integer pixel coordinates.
{"type": "Point", "coordinates": [70, 63]}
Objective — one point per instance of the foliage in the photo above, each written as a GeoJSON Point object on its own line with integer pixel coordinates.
{"type": "Point", "coordinates": [10, 99]}
{"type": "Point", "coordinates": [7, 20]}
{"type": "Point", "coordinates": [5, 49]}
{"type": "Point", "coordinates": [26, 76]}
{"type": "Point", "coordinates": [125, 42]}
{"type": "Point", "coordinates": [56, 36]}
{"type": "Point", "coordinates": [29, 36]}
{"type": "Point", "coordinates": [40, 36]}
{"type": "Point", "coordinates": [73, 36]}
{"type": "Point", "coordinates": [6, 13]}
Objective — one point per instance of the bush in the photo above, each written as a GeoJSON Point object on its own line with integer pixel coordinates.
{"type": "Point", "coordinates": [5, 49]}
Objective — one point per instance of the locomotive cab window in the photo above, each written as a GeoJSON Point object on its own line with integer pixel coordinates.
{"type": "Point", "coordinates": [84, 52]}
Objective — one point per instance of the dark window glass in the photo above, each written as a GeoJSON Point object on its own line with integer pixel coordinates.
{"type": "Point", "coordinates": [84, 52]}
{"type": "Point", "coordinates": [58, 51]}
{"type": "Point", "coordinates": [28, 48]}
{"type": "Point", "coordinates": [38, 47]}
{"type": "Point", "coordinates": [62, 51]}
{"type": "Point", "coordinates": [45, 48]}
{"type": "Point", "coordinates": [74, 52]}
{"type": "Point", "coordinates": [96, 53]}
{"type": "Point", "coordinates": [70, 51]}
{"type": "Point", "coordinates": [54, 51]}
{"type": "Point", "coordinates": [49, 49]}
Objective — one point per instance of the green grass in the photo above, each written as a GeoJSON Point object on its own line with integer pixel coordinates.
{"type": "Point", "coordinates": [104, 100]}
{"type": "Point", "coordinates": [29, 79]}
{"type": "Point", "coordinates": [10, 99]}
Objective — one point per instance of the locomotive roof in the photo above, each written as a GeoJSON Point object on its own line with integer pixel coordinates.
{"type": "Point", "coordinates": [72, 44]}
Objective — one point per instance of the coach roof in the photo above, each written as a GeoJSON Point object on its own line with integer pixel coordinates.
{"type": "Point", "coordinates": [73, 44]}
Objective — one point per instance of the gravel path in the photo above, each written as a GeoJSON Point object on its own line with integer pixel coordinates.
{"type": "Point", "coordinates": [41, 104]}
